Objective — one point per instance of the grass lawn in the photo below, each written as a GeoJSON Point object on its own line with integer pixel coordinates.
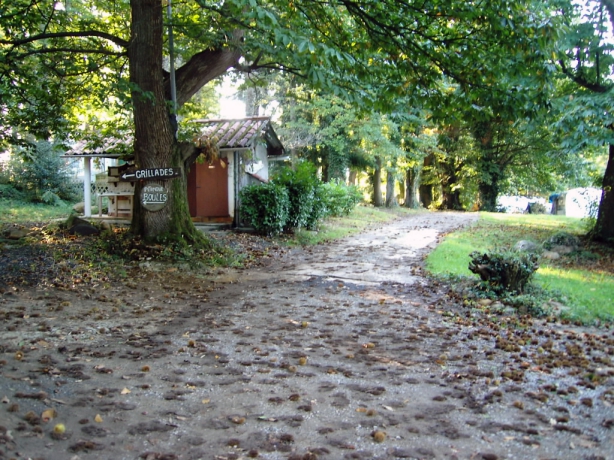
{"type": "Point", "coordinates": [334, 228]}
{"type": "Point", "coordinates": [584, 280]}
{"type": "Point", "coordinates": [14, 212]}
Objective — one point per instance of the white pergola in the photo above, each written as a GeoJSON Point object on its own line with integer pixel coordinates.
{"type": "Point", "coordinates": [87, 175]}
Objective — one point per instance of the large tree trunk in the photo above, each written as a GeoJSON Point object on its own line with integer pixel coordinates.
{"type": "Point", "coordinates": [490, 167]}
{"type": "Point", "coordinates": [604, 229]}
{"type": "Point", "coordinates": [426, 195]}
{"type": "Point", "coordinates": [391, 199]}
{"type": "Point", "coordinates": [450, 194]}
{"type": "Point", "coordinates": [155, 145]}
{"type": "Point", "coordinates": [426, 190]}
{"type": "Point", "coordinates": [412, 183]}
{"type": "Point", "coordinates": [489, 191]}
{"type": "Point", "coordinates": [353, 177]}
{"type": "Point", "coordinates": [378, 201]}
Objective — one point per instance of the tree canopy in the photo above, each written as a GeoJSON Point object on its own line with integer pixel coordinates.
{"type": "Point", "coordinates": [380, 56]}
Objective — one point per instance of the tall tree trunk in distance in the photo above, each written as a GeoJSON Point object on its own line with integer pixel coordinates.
{"type": "Point", "coordinates": [401, 183]}
{"type": "Point", "coordinates": [412, 184]}
{"type": "Point", "coordinates": [155, 145]}
{"type": "Point", "coordinates": [489, 191]}
{"type": "Point", "coordinates": [378, 201]}
{"type": "Point", "coordinates": [426, 190]}
{"type": "Point", "coordinates": [491, 170]}
{"type": "Point", "coordinates": [426, 195]}
{"type": "Point", "coordinates": [449, 193]}
{"type": "Point", "coordinates": [604, 229]}
{"type": "Point", "coordinates": [391, 198]}
{"type": "Point", "coordinates": [353, 177]}
{"type": "Point", "coordinates": [250, 98]}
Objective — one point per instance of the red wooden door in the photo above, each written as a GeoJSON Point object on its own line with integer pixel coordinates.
{"type": "Point", "coordinates": [211, 194]}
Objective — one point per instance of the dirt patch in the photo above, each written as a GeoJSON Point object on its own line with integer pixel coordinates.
{"type": "Point", "coordinates": [339, 351]}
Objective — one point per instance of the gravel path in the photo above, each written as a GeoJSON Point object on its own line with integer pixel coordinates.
{"type": "Point", "coordinates": [340, 351]}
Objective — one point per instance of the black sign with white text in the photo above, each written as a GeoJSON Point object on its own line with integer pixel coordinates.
{"type": "Point", "coordinates": [133, 175]}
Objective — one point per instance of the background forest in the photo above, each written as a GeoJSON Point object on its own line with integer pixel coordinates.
{"type": "Point", "coordinates": [440, 104]}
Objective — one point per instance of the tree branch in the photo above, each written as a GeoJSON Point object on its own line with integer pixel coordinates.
{"type": "Point", "coordinates": [202, 68]}
{"type": "Point", "coordinates": [583, 82]}
{"type": "Point", "coordinates": [89, 33]}
{"type": "Point", "coordinates": [72, 50]}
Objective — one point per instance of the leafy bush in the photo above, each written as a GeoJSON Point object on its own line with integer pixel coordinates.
{"type": "Point", "coordinates": [51, 198]}
{"type": "Point", "coordinates": [341, 199]}
{"type": "Point", "coordinates": [562, 239]}
{"type": "Point", "coordinates": [301, 185]}
{"type": "Point", "coordinates": [308, 201]}
{"type": "Point", "coordinates": [39, 170]}
{"type": "Point", "coordinates": [319, 207]}
{"type": "Point", "coordinates": [8, 192]}
{"type": "Point", "coordinates": [265, 207]}
{"type": "Point", "coordinates": [505, 271]}
{"type": "Point", "coordinates": [537, 208]}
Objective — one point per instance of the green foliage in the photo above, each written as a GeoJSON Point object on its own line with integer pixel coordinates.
{"type": "Point", "coordinates": [301, 184]}
{"type": "Point", "coordinates": [537, 208]}
{"type": "Point", "coordinates": [51, 198]}
{"type": "Point", "coordinates": [295, 200]}
{"type": "Point", "coordinates": [265, 207]}
{"type": "Point", "coordinates": [586, 293]}
{"type": "Point", "coordinates": [504, 271]}
{"type": "Point", "coordinates": [41, 174]}
{"type": "Point", "coordinates": [319, 208]}
{"type": "Point", "coordinates": [562, 239]}
{"type": "Point", "coordinates": [8, 192]}
{"type": "Point", "coordinates": [340, 199]}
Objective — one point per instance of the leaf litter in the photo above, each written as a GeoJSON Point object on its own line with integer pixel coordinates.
{"type": "Point", "coordinates": [340, 351]}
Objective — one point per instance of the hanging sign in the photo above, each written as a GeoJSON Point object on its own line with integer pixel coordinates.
{"type": "Point", "coordinates": [133, 175]}
{"type": "Point", "coordinates": [154, 197]}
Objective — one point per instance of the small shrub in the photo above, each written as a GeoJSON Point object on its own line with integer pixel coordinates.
{"type": "Point", "coordinates": [537, 208]}
{"type": "Point", "coordinates": [562, 239]}
{"type": "Point", "coordinates": [505, 271]}
{"type": "Point", "coordinates": [301, 185]}
{"type": "Point", "coordinates": [51, 198]}
{"type": "Point", "coordinates": [319, 208]}
{"type": "Point", "coordinates": [341, 199]}
{"type": "Point", "coordinates": [8, 192]}
{"type": "Point", "coordinates": [40, 169]}
{"type": "Point", "coordinates": [265, 207]}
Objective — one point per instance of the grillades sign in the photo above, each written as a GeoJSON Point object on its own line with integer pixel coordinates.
{"type": "Point", "coordinates": [133, 175]}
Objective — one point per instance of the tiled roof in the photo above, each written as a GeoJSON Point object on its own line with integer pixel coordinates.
{"type": "Point", "coordinates": [241, 133]}
{"type": "Point", "coordinates": [110, 148]}
{"type": "Point", "coordinates": [228, 134]}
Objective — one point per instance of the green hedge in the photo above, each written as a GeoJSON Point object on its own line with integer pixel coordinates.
{"type": "Point", "coordinates": [265, 207]}
{"type": "Point", "coordinates": [301, 184]}
{"type": "Point", "coordinates": [340, 199]}
{"type": "Point", "coordinates": [295, 199]}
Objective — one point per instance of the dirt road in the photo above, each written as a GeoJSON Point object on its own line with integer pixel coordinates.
{"type": "Point", "coordinates": [338, 351]}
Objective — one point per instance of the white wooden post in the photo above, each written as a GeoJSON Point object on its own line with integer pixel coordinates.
{"type": "Point", "coordinates": [87, 187]}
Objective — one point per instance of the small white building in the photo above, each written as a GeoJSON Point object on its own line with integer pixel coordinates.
{"type": "Point", "coordinates": [245, 147]}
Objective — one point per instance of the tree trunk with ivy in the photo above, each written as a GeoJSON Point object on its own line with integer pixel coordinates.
{"type": "Point", "coordinates": [155, 144]}
{"type": "Point", "coordinates": [491, 169]}
{"type": "Point", "coordinates": [378, 200]}
{"type": "Point", "coordinates": [391, 198]}
{"type": "Point", "coordinates": [450, 190]}
{"type": "Point", "coordinates": [604, 229]}
{"type": "Point", "coordinates": [412, 183]}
